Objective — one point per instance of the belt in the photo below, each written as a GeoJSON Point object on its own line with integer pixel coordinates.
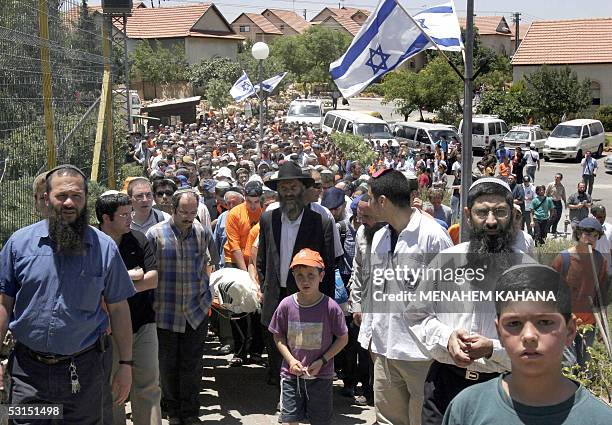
{"type": "Point", "coordinates": [52, 359]}
{"type": "Point", "coordinates": [469, 375]}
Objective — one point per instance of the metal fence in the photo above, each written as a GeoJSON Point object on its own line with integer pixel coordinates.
{"type": "Point", "coordinates": [51, 72]}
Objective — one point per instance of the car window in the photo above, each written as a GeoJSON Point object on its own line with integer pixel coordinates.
{"type": "Point", "coordinates": [422, 136]}
{"type": "Point", "coordinates": [594, 129]}
{"type": "Point", "coordinates": [478, 128]}
{"type": "Point", "coordinates": [497, 128]}
{"type": "Point", "coordinates": [600, 128]}
{"type": "Point", "coordinates": [585, 131]}
{"type": "Point", "coordinates": [400, 132]}
{"type": "Point", "coordinates": [410, 132]}
{"type": "Point", "coordinates": [504, 127]}
{"type": "Point", "coordinates": [329, 120]}
{"type": "Point", "coordinates": [562, 131]}
{"type": "Point", "coordinates": [540, 135]}
{"type": "Point", "coordinates": [349, 127]}
{"type": "Point", "coordinates": [491, 128]}
{"type": "Point", "coordinates": [340, 124]}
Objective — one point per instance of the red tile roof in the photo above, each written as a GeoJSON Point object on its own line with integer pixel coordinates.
{"type": "Point", "coordinates": [344, 22]}
{"type": "Point", "coordinates": [523, 27]}
{"type": "Point", "coordinates": [164, 22]}
{"type": "Point", "coordinates": [295, 21]}
{"type": "Point", "coordinates": [349, 11]}
{"type": "Point", "coordinates": [488, 25]}
{"type": "Point", "coordinates": [566, 42]}
{"type": "Point", "coordinates": [266, 26]}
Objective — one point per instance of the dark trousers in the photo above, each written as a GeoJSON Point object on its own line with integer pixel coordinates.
{"type": "Point", "coordinates": [527, 221]}
{"type": "Point", "coordinates": [555, 221]}
{"type": "Point", "coordinates": [442, 384]}
{"type": "Point", "coordinates": [540, 231]}
{"type": "Point", "coordinates": [33, 382]}
{"type": "Point", "coordinates": [180, 369]}
{"type": "Point", "coordinates": [589, 180]}
{"type": "Point", "coordinates": [357, 361]}
{"type": "Point", "coordinates": [247, 333]}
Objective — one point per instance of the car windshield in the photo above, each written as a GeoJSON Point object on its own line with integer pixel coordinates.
{"type": "Point", "coordinates": [438, 134]}
{"type": "Point", "coordinates": [572, 131]}
{"type": "Point", "coordinates": [301, 110]}
{"type": "Point", "coordinates": [517, 135]}
{"type": "Point", "coordinates": [375, 130]}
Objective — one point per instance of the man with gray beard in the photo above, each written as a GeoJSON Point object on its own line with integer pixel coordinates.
{"type": "Point", "coordinates": [460, 336]}
{"type": "Point", "coordinates": [284, 231]}
{"type": "Point", "coordinates": [54, 275]}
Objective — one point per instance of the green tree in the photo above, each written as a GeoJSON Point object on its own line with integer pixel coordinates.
{"type": "Point", "coordinates": [269, 67]}
{"type": "Point", "coordinates": [156, 64]}
{"type": "Point", "coordinates": [354, 147]}
{"type": "Point", "coordinates": [224, 69]}
{"type": "Point", "coordinates": [217, 94]}
{"type": "Point", "coordinates": [555, 92]}
{"type": "Point", "coordinates": [400, 87]}
{"type": "Point", "coordinates": [510, 104]}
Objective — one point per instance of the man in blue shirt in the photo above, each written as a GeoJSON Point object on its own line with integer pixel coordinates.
{"type": "Point", "coordinates": [54, 277]}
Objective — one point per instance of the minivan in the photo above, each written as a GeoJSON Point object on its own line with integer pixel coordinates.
{"type": "Point", "coordinates": [309, 111]}
{"type": "Point", "coordinates": [359, 123]}
{"type": "Point", "coordinates": [422, 132]}
{"type": "Point", "coordinates": [484, 126]}
{"type": "Point", "coordinates": [571, 140]}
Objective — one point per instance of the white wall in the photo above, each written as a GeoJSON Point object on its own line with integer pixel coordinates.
{"type": "Point", "coordinates": [197, 48]}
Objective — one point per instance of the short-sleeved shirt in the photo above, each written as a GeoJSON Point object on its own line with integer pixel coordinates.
{"type": "Point", "coordinates": [155, 216]}
{"type": "Point", "coordinates": [136, 251]}
{"type": "Point", "coordinates": [541, 207]}
{"type": "Point", "coordinates": [58, 297]}
{"type": "Point", "coordinates": [578, 214]}
{"type": "Point", "coordinates": [444, 214]}
{"type": "Point", "coordinates": [309, 331]}
{"type": "Point", "coordinates": [488, 403]}
{"type": "Point", "coordinates": [238, 224]}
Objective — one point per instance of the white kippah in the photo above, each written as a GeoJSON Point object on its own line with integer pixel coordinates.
{"type": "Point", "coordinates": [491, 180]}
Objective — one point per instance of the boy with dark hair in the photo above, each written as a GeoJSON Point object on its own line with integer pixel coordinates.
{"type": "Point", "coordinates": [534, 334]}
{"type": "Point", "coordinates": [303, 326]}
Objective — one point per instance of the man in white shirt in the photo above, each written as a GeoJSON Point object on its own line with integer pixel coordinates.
{"type": "Point", "coordinates": [529, 190]}
{"type": "Point", "coordinates": [589, 170]}
{"type": "Point", "coordinates": [400, 366]}
{"type": "Point", "coordinates": [604, 244]}
{"type": "Point", "coordinates": [461, 336]}
{"type": "Point", "coordinates": [532, 161]}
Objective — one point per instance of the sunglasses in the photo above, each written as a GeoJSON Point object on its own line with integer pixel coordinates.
{"type": "Point", "coordinates": [164, 192]}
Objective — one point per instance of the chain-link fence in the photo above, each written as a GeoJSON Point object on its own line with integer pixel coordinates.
{"type": "Point", "coordinates": [51, 71]}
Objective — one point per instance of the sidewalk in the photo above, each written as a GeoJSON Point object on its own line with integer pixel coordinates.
{"type": "Point", "coordinates": [240, 395]}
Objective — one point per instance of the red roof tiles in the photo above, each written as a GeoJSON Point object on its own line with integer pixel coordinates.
{"type": "Point", "coordinates": [290, 18]}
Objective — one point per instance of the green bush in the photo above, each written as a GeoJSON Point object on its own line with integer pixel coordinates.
{"type": "Point", "coordinates": [604, 114]}
{"type": "Point", "coordinates": [354, 148]}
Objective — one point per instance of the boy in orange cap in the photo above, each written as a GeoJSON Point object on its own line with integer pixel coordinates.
{"type": "Point", "coordinates": [304, 325]}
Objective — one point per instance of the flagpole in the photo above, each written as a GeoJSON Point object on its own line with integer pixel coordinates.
{"type": "Point", "coordinates": [466, 144]}
{"type": "Point", "coordinates": [401, 6]}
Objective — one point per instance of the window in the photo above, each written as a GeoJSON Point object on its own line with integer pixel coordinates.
{"type": "Point", "coordinates": [478, 128]}
{"type": "Point", "coordinates": [540, 135]}
{"type": "Point", "coordinates": [422, 136]}
{"type": "Point", "coordinates": [504, 128]}
{"type": "Point", "coordinates": [491, 129]}
{"type": "Point", "coordinates": [585, 131]}
{"type": "Point", "coordinates": [282, 27]}
{"type": "Point", "coordinates": [329, 120]}
{"type": "Point", "coordinates": [349, 127]}
{"type": "Point", "coordinates": [410, 133]}
{"type": "Point", "coordinates": [599, 127]}
{"type": "Point", "coordinates": [245, 28]}
{"type": "Point", "coordinates": [595, 93]}
{"type": "Point", "coordinates": [594, 129]}
{"type": "Point", "coordinates": [340, 125]}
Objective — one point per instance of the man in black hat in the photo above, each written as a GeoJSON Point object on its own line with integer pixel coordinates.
{"type": "Point", "coordinates": [285, 231]}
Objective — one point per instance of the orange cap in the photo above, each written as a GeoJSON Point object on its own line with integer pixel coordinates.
{"type": "Point", "coordinates": [308, 257]}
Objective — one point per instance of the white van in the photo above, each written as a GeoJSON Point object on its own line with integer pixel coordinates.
{"type": "Point", "coordinates": [423, 133]}
{"type": "Point", "coordinates": [359, 123]}
{"type": "Point", "coordinates": [484, 126]}
{"type": "Point", "coordinates": [571, 139]}
{"type": "Point", "coordinates": [309, 111]}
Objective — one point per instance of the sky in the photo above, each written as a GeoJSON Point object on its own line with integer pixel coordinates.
{"type": "Point", "coordinates": [531, 10]}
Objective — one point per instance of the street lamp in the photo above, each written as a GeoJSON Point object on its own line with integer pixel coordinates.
{"type": "Point", "coordinates": [260, 51]}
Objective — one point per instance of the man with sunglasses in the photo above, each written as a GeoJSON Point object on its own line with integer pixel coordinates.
{"type": "Point", "coordinates": [114, 213]}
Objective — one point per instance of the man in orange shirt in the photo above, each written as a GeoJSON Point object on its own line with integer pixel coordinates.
{"type": "Point", "coordinates": [240, 220]}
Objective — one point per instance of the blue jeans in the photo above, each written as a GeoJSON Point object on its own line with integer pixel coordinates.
{"type": "Point", "coordinates": [577, 352]}
{"type": "Point", "coordinates": [530, 171]}
{"type": "Point", "coordinates": [33, 382]}
{"type": "Point", "coordinates": [455, 205]}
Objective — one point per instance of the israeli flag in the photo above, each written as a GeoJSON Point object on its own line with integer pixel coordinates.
{"type": "Point", "coordinates": [270, 84]}
{"type": "Point", "coordinates": [242, 88]}
{"type": "Point", "coordinates": [390, 37]}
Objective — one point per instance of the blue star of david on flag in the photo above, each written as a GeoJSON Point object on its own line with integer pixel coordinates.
{"type": "Point", "coordinates": [382, 65]}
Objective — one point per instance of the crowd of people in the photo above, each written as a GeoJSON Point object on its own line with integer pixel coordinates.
{"type": "Point", "coordinates": [123, 310]}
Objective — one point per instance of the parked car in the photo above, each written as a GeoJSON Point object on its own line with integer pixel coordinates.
{"type": "Point", "coordinates": [359, 123]}
{"type": "Point", "coordinates": [483, 127]}
{"type": "Point", "coordinates": [423, 133]}
{"type": "Point", "coordinates": [519, 135]}
{"type": "Point", "coordinates": [309, 111]}
{"type": "Point", "coordinates": [608, 163]}
{"type": "Point", "coordinates": [571, 140]}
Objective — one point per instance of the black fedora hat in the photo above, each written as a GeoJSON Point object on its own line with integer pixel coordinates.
{"type": "Point", "coordinates": [290, 171]}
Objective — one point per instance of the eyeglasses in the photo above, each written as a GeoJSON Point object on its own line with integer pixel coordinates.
{"type": "Point", "coordinates": [483, 213]}
{"type": "Point", "coordinates": [143, 196]}
{"type": "Point", "coordinates": [161, 193]}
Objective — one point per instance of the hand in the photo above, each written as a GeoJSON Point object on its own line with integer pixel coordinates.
{"type": "Point", "coordinates": [458, 349]}
{"type": "Point", "coordinates": [417, 203]}
{"type": "Point", "coordinates": [357, 319]}
{"type": "Point", "coordinates": [296, 368]}
{"type": "Point", "coordinates": [136, 274]}
{"type": "Point", "coordinates": [314, 368]}
{"type": "Point", "coordinates": [259, 296]}
{"type": "Point", "coordinates": [122, 382]}
{"type": "Point", "coordinates": [479, 346]}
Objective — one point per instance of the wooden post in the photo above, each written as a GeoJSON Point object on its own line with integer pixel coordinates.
{"type": "Point", "coordinates": [104, 104]}
{"type": "Point", "coordinates": [110, 148]}
{"type": "Point", "coordinates": [45, 65]}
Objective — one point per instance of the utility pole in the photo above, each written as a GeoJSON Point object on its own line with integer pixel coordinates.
{"type": "Point", "coordinates": [517, 19]}
{"type": "Point", "coordinates": [304, 13]}
{"type": "Point", "coordinates": [466, 145]}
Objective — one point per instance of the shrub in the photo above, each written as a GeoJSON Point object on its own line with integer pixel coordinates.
{"type": "Point", "coordinates": [604, 114]}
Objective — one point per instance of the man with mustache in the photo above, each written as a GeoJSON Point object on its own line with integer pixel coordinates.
{"type": "Point", "coordinates": [460, 336]}
{"type": "Point", "coordinates": [284, 231]}
{"type": "Point", "coordinates": [53, 277]}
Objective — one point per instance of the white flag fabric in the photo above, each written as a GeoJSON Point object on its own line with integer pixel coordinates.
{"type": "Point", "coordinates": [242, 88]}
{"type": "Point", "coordinates": [441, 25]}
{"type": "Point", "coordinates": [387, 39]}
{"type": "Point", "coordinates": [270, 84]}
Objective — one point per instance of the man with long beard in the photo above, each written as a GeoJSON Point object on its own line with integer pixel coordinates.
{"type": "Point", "coordinates": [53, 277]}
{"type": "Point", "coordinates": [460, 336]}
{"type": "Point", "coordinates": [284, 231]}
